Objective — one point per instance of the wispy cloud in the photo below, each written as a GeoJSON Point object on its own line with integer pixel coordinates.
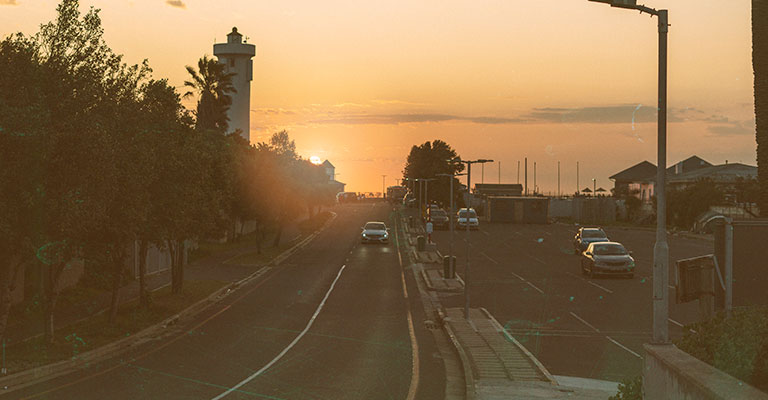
{"type": "Point", "coordinates": [726, 127]}
{"type": "Point", "coordinates": [273, 111]}
{"type": "Point", "coordinates": [8, 3]}
{"type": "Point", "coordinates": [395, 119]}
{"type": "Point", "coordinates": [601, 115]}
{"type": "Point", "coordinates": [176, 3]}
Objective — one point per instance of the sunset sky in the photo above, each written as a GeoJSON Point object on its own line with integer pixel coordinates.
{"type": "Point", "coordinates": [360, 82]}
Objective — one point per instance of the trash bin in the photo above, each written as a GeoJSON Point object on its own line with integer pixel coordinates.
{"type": "Point", "coordinates": [449, 267]}
{"type": "Point", "coordinates": [421, 243]}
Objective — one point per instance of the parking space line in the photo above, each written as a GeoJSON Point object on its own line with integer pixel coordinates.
{"type": "Point", "coordinates": [534, 286]}
{"type": "Point", "coordinates": [517, 276]}
{"type": "Point", "coordinates": [591, 283]}
{"type": "Point", "coordinates": [675, 322]}
{"type": "Point", "coordinates": [537, 260]}
{"type": "Point", "coordinates": [482, 253]}
{"type": "Point", "coordinates": [584, 322]}
{"type": "Point", "coordinates": [486, 233]}
{"type": "Point", "coordinates": [624, 347]}
{"type": "Point", "coordinates": [598, 286]}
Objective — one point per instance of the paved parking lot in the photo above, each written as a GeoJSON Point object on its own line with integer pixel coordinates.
{"type": "Point", "coordinates": [528, 277]}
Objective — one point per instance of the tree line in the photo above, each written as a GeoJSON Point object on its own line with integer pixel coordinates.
{"type": "Point", "coordinates": [96, 155]}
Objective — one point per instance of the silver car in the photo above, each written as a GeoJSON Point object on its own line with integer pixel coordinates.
{"type": "Point", "coordinates": [375, 232]}
{"type": "Point", "coordinates": [607, 258]}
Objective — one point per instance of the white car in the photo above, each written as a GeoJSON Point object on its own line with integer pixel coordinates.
{"type": "Point", "coordinates": [461, 219]}
{"type": "Point", "coordinates": [375, 232]}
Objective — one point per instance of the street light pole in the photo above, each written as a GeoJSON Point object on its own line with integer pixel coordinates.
{"type": "Point", "coordinates": [469, 206]}
{"type": "Point", "coordinates": [661, 248]}
{"type": "Point", "coordinates": [451, 216]}
{"type": "Point", "coordinates": [384, 186]}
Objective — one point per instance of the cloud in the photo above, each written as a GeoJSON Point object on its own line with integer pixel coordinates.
{"type": "Point", "coordinates": [173, 3]}
{"type": "Point", "coordinates": [8, 3]}
{"type": "Point", "coordinates": [731, 128]}
{"type": "Point", "coordinates": [627, 113]}
{"type": "Point", "coordinates": [395, 119]}
{"type": "Point", "coordinates": [273, 111]}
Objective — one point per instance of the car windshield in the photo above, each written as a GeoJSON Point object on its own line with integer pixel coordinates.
{"type": "Point", "coordinates": [375, 226]}
{"type": "Point", "coordinates": [463, 214]}
{"type": "Point", "coordinates": [592, 234]}
{"type": "Point", "coordinates": [609, 250]}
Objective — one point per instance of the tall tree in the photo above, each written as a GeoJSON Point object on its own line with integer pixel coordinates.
{"type": "Point", "coordinates": [212, 83]}
{"type": "Point", "coordinates": [760, 68]}
{"type": "Point", "coordinates": [426, 161]}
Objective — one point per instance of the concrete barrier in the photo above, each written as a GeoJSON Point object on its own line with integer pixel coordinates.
{"type": "Point", "coordinates": [671, 373]}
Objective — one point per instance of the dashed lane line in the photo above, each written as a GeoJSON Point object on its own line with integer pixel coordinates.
{"type": "Point", "coordinates": [591, 283]}
{"type": "Point", "coordinates": [624, 347]}
{"type": "Point", "coordinates": [584, 322]}
{"type": "Point", "coordinates": [482, 253]}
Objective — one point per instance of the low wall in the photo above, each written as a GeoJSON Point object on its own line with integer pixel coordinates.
{"type": "Point", "coordinates": [560, 208]}
{"type": "Point", "coordinates": [671, 373]}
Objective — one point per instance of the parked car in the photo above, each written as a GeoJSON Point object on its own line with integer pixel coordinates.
{"type": "Point", "coordinates": [346, 197]}
{"type": "Point", "coordinates": [465, 215]}
{"type": "Point", "coordinates": [585, 236]}
{"type": "Point", "coordinates": [607, 258]}
{"type": "Point", "coordinates": [439, 218]}
{"type": "Point", "coordinates": [375, 232]}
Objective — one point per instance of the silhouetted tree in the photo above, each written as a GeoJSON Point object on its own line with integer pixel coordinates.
{"type": "Point", "coordinates": [760, 68]}
{"type": "Point", "coordinates": [428, 160]}
{"type": "Point", "coordinates": [213, 84]}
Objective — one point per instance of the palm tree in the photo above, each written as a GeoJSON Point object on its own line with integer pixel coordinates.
{"type": "Point", "coordinates": [212, 83]}
{"type": "Point", "coordinates": [760, 68]}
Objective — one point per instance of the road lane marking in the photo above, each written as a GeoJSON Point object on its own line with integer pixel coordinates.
{"type": "Point", "coordinates": [414, 385]}
{"type": "Point", "coordinates": [486, 233]}
{"type": "Point", "coordinates": [598, 286]}
{"type": "Point", "coordinates": [482, 253]}
{"type": "Point", "coordinates": [675, 322]}
{"type": "Point", "coordinates": [584, 322]}
{"type": "Point", "coordinates": [591, 283]}
{"type": "Point", "coordinates": [517, 276]}
{"type": "Point", "coordinates": [537, 260]}
{"type": "Point", "coordinates": [534, 286]}
{"type": "Point", "coordinates": [290, 346]}
{"type": "Point", "coordinates": [624, 347]}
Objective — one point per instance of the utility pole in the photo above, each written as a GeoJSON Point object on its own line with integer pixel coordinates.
{"type": "Point", "coordinates": [469, 207]}
{"type": "Point", "coordinates": [558, 179]}
{"type": "Point", "coordinates": [384, 187]}
{"type": "Point", "coordinates": [499, 172]}
{"type": "Point", "coordinates": [577, 178]}
{"type": "Point", "coordinates": [661, 248]}
{"type": "Point", "coordinates": [518, 172]}
{"type": "Point", "coordinates": [534, 178]}
{"type": "Point", "coordinates": [526, 176]}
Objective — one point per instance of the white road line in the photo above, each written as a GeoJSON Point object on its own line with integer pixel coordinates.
{"type": "Point", "coordinates": [584, 322]}
{"type": "Point", "coordinates": [482, 253]}
{"type": "Point", "coordinates": [414, 385]}
{"type": "Point", "coordinates": [290, 346]}
{"type": "Point", "coordinates": [534, 286]}
{"type": "Point", "coordinates": [591, 283]}
{"type": "Point", "coordinates": [624, 347]}
{"type": "Point", "coordinates": [598, 286]}
{"type": "Point", "coordinates": [486, 233]}
{"type": "Point", "coordinates": [517, 276]}
{"type": "Point", "coordinates": [675, 322]}
{"type": "Point", "coordinates": [539, 261]}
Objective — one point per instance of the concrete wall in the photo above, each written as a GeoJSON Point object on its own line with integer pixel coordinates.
{"type": "Point", "coordinates": [671, 373]}
{"type": "Point", "coordinates": [594, 210]}
{"type": "Point", "coordinates": [560, 208]}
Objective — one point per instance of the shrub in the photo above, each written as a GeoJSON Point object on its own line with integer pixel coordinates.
{"type": "Point", "coordinates": [630, 389]}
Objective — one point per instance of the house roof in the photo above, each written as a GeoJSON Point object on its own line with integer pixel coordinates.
{"type": "Point", "coordinates": [327, 164]}
{"type": "Point", "coordinates": [718, 173]}
{"type": "Point", "coordinates": [638, 172]}
{"type": "Point", "coordinates": [689, 164]}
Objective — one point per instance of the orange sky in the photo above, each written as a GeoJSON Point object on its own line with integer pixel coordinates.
{"type": "Point", "coordinates": [360, 82]}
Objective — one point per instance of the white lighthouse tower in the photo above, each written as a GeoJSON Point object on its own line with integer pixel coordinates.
{"type": "Point", "coordinates": [236, 55]}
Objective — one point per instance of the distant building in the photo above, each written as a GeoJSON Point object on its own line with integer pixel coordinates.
{"type": "Point", "coordinates": [639, 180]}
{"type": "Point", "coordinates": [498, 189]}
{"type": "Point", "coordinates": [236, 55]}
{"type": "Point", "coordinates": [330, 171]}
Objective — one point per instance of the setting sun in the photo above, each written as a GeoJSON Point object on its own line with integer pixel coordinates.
{"type": "Point", "coordinates": [315, 160]}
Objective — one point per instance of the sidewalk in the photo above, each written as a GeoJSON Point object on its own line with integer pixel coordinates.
{"type": "Point", "coordinates": [495, 365]}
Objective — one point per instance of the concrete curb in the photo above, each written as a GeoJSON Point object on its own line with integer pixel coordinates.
{"type": "Point", "coordinates": [469, 376]}
{"type": "Point", "coordinates": [43, 373]}
{"type": "Point", "coordinates": [522, 348]}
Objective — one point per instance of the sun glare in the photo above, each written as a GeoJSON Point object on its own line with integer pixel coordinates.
{"type": "Point", "coordinates": [315, 160]}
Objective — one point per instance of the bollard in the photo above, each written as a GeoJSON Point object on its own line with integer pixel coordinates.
{"type": "Point", "coordinates": [421, 243]}
{"type": "Point", "coordinates": [449, 267]}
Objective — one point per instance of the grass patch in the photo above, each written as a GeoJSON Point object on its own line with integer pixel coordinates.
{"type": "Point", "coordinates": [97, 331]}
{"type": "Point", "coordinates": [267, 253]}
{"type": "Point", "coordinates": [207, 248]}
{"type": "Point", "coordinates": [737, 346]}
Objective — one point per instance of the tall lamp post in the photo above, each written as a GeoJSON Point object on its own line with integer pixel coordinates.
{"type": "Point", "coordinates": [661, 248]}
{"type": "Point", "coordinates": [384, 186]}
{"type": "Point", "coordinates": [469, 206]}
{"type": "Point", "coordinates": [451, 215]}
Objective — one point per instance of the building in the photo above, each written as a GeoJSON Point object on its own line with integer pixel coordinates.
{"type": "Point", "coordinates": [639, 179]}
{"type": "Point", "coordinates": [330, 171]}
{"type": "Point", "coordinates": [236, 55]}
{"type": "Point", "coordinates": [498, 189]}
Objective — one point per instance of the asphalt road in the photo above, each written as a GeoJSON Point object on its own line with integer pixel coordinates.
{"type": "Point", "coordinates": [528, 277]}
{"type": "Point", "coordinates": [331, 322]}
